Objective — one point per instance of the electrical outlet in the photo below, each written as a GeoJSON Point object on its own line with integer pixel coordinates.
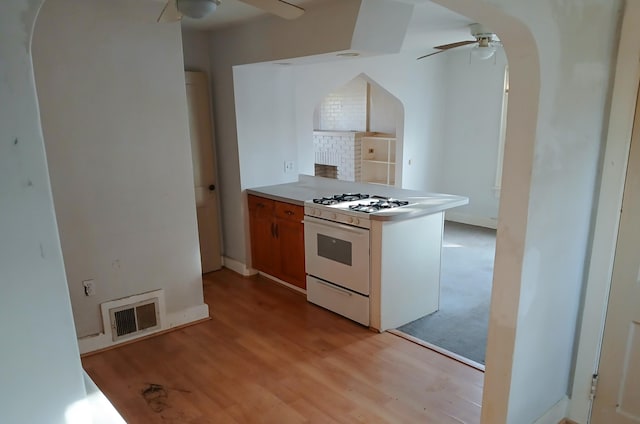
{"type": "Point", "coordinates": [89, 287]}
{"type": "Point", "coordinates": [289, 166]}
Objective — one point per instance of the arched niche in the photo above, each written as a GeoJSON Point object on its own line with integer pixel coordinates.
{"type": "Point", "coordinates": [355, 123]}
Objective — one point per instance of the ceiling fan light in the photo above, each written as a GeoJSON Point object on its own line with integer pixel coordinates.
{"type": "Point", "coordinates": [197, 9]}
{"type": "Point", "coordinates": [483, 53]}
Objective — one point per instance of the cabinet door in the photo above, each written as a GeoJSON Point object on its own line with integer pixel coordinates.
{"type": "Point", "coordinates": [263, 242]}
{"type": "Point", "coordinates": [290, 236]}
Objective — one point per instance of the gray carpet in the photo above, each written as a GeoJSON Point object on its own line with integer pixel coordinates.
{"type": "Point", "coordinates": [460, 326]}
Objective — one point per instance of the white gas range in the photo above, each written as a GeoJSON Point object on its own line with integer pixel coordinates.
{"type": "Point", "coordinates": [351, 208]}
{"type": "Point", "coordinates": [337, 251]}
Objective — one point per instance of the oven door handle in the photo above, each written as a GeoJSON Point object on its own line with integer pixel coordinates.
{"type": "Point", "coordinates": [335, 225]}
{"type": "Point", "coordinates": [342, 291]}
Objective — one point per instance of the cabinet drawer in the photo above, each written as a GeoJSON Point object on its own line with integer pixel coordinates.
{"type": "Point", "coordinates": [260, 203]}
{"type": "Point", "coordinates": [344, 302]}
{"type": "Point", "coordinates": [289, 211]}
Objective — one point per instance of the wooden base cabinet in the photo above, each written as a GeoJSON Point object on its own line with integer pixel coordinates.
{"type": "Point", "coordinates": [277, 239]}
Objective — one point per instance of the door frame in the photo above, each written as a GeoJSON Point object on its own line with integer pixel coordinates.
{"type": "Point", "coordinates": [606, 222]}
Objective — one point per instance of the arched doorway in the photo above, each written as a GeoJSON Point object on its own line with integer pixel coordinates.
{"type": "Point", "coordinates": [513, 214]}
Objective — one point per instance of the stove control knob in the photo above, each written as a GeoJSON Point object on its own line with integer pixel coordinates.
{"type": "Point", "coordinates": [350, 220]}
{"type": "Point", "coordinates": [357, 221]}
{"type": "Point", "coordinates": [334, 216]}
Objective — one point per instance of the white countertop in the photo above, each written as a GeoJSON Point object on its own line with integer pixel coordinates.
{"type": "Point", "coordinates": [308, 187]}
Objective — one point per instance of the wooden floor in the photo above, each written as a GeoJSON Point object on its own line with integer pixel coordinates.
{"type": "Point", "coordinates": [268, 356]}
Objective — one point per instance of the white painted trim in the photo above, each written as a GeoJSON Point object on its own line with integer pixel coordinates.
{"type": "Point", "coordinates": [479, 221]}
{"type": "Point", "coordinates": [556, 414]}
{"type": "Point", "coordinates": [173, 319]}
{"type": "Point", "coordinates": [186, 316]}
{"type": "Point", "coordinates": [284, 283]}
{"type": "Point", "coordinates": [238, 267]}
{"type": "Point", "coordinates": [503, 134]}
{"type": "Point", "coordinates": [438, 349]}
{"type": "Point", "coordinates": [616, 155]}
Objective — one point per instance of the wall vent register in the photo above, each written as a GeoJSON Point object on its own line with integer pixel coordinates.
{"type": "Point", "coordinates": [140, 317]}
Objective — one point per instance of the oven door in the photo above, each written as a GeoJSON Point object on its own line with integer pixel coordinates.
{"type": "Point", "coordinates": [337, 253]}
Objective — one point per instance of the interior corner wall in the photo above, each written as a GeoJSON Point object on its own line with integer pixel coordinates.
{"type": "Point", "coordinates": [112, 95]}
{"type": "Point", "coordinates": [41, 372]}
{"type": "Point", "coordinates": [195, 50]}
{"type": "Point", "coordinates": [472, 122]}
{"type": "Point", "coordinates": [385, 112]}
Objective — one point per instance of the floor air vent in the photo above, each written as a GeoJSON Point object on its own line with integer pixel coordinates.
{"type": "Point", "coordinates": [134, 319]}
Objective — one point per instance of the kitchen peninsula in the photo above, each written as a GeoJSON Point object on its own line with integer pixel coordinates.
{"type": "Point", "coordinates": [372, 256]}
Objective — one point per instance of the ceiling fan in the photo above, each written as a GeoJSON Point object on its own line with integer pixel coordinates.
{"type": "Point", "coordinates": [486, 41]}
{"type": "Point", "coordinates": [174, 10]}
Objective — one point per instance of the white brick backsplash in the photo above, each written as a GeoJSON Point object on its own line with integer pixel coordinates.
{"type": "Point", "coordinates": [346, 108]}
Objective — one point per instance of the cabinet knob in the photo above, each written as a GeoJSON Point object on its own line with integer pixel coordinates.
{"type": "Point", "coordinates": [289, 212]}
{"type": "Point", "coordinates": [212, 187]}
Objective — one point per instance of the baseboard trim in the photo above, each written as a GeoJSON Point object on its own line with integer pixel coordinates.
{"type": "Point", "coordinates": [238, 267]}
{"type": "Point", "coordinates": [99, 342]}
{"type": "Point", "coordinates": [478, 221]}
{"type": "Point", "coordinates": [556, 414]}
{"type": "Point", "coordinates": [445, 352]}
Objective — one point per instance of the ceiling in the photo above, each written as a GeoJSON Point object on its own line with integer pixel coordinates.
{"type": "Point", "coordinates": [233, 12]}
{"type": "Point", "coordinates": [430, 25]}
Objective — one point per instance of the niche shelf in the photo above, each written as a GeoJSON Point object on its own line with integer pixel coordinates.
{"type": "Point", "coordinates": [378, 159]}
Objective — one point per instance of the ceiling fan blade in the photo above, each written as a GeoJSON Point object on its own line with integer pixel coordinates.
{"type": "Point", "coordinates": [430, 54]}
{"type": "Point", "coordinates": [170, 12]}
{"type": "Point", "coordinates": [277, 7]}
{"type": "Point", "coordinates": [454, 45]}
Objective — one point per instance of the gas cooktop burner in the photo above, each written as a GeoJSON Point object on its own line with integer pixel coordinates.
{"type": "Point", "coordinates": [339, 198]}
{"type": "Point", "coordinates": [378, 205]}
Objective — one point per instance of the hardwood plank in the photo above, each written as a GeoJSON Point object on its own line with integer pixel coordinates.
{"type": "Point", "coordinates": [268, 356]}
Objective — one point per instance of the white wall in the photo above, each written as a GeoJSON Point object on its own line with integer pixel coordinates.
{"type": "Point", "coordinates": [473, 107]}
{"type": "Point", "coordinates": [416, 84]}
{"type": "Point", "coordinates": [264, 116]}
{"type": "Point", "coordinates": [111, 89]}
{"type": "Point", "coordinates": [557, 191]}
{"type": "Point", "coordinates": [263, 39]}
{"type": "Point", "coordinates": [264, 146]}
{"type": "Point", "coordinates": [385, 111]}
{"type": "Point", "coordinates": [41, 372]}
{"type": "Point", "coordinates": [575, 72]}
